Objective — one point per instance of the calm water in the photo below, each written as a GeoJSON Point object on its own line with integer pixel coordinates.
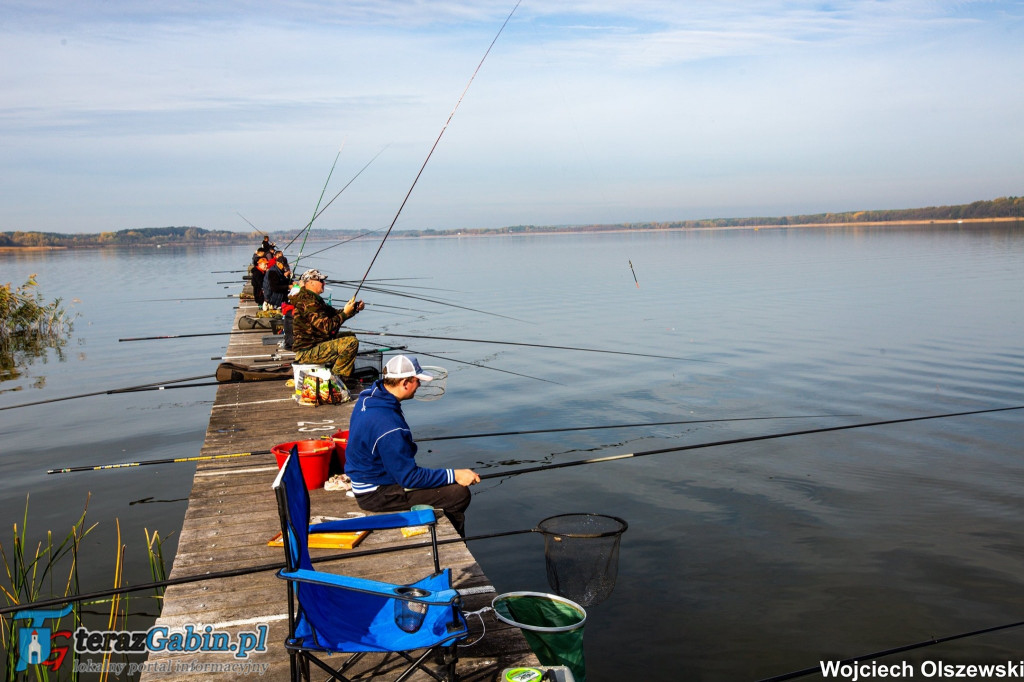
{"type": "Point", "coordinates": [741, 561]}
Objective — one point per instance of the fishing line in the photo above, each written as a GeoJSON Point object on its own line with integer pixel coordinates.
{"type": "Point", "coordinates": [438, 140]}
{"type": "Point", "coordinates": [734, 441]}
{"type": "Point", "coordinates": [530, 345]}
{"type": "Point", "coordinates": [896, 650]}
{"type": "Point", "coordinates": [233, 573]}
{"type": "Point", "coordinates": [624, 426]}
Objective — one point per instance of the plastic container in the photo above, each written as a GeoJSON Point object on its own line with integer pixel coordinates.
{"type": "Point", "coordinates": [340, 439]}
{"type": "Point", "coordinates": [314, 459]}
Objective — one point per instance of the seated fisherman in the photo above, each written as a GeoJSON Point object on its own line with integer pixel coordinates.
{"type": "Point", "coordinates": [316, 327]}
{"type": "Point", "coordinates": [380, 457]}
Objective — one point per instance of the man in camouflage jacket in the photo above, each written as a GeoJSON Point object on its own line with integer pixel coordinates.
{"type": "Point", "coordinates": [316, 326]}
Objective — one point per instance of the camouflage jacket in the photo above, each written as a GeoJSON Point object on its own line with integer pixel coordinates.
{"type": "Point", "coordinates": [313, 321]}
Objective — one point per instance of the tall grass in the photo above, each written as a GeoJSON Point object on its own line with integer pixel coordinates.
{"type": "Point", "coordinates": [31, 575]}
{"type": "Point", "coordinates": [34, 574]}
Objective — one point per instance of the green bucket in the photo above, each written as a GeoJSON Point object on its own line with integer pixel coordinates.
{"type": "Point", "coordinates": [552, 625]}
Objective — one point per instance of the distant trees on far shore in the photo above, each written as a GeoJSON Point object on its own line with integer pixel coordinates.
{"type": "Point", "coordinates": [1004, 207]}
{"type": "Point", "coordinates": [144, 236]}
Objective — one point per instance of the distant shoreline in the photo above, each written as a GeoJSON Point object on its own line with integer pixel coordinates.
{"type": "Point", "coordinates": [455, 234]}
{"type": "Point", "coordinates": [714, 228]}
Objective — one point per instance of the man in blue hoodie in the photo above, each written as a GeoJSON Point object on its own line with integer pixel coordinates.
{"type": "Point", "coordinates": [380, 457]}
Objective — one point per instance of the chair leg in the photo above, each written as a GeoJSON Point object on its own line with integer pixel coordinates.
{"type": "Point", "coordinates": [417, 665]}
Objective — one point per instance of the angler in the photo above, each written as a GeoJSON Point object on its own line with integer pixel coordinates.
{"type": "Point", "coordinates": [316, 327]}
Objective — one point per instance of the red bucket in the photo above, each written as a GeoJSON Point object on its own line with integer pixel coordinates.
{"type": "Point", "coordinates": [340, 439]}
{"type": "Point", "coordinates": [314, 459]}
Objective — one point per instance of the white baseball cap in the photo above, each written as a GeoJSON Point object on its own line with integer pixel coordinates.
{"type": "Point", "coordinates": [401, 367]}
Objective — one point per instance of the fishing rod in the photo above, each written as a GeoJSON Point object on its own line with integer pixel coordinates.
{"type": "Point", "coordinates": [147, 462]}
{"type": "Point", "coordinates": [344, 241]}
{"type": "Point", "coordinates": [530, 345]}
{"type": "Point", "coordinates": [253, 226]}
{"type": "Point", "coordinates": [202, 298]}
{"type": "Point", "coordinates": [250, 570]}
{"type": "Point", "coordinates": [624, 426]}
{"type": "Point", "coordinates": [320, 212]}
{"type": "Point", "coordinates": [278, 355]}
{"type": "Point", "coordinates": [203, 458]}
{"type": "Point", "coordinates": [437, 301]}
{"type": "Point", "coordinates": [734, 441]}
{"type": "Point", "coordinates": [317, 207]}
{"type": "Point", "coordinates": [190, 336]}
{"type": "Point", "coordinates": [351, 282]}
{"type": "Point", "coordinates": [438, 140]}
{"type": "Point", "coordinates": [150, 386]}
{"type": "Point", "coordinates": [896, 650]}
{"type": "Point", "coordinates": [476, 364]}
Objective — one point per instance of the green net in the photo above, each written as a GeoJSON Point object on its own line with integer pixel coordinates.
{"type": "Point", "coordinates": [552, 625]}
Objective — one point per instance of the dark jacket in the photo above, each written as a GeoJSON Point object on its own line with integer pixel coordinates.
{"type": "Point", "coordinates": [313, 321]}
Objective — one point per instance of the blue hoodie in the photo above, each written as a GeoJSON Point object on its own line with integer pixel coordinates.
{"type": "Point", "coordinates": [380, 448]}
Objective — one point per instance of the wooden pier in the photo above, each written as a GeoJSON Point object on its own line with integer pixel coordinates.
{"type": "Point", "coordinates": [232, 515]}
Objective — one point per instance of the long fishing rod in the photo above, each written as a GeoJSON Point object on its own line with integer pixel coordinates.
{"type": "Point", "coordinates": [338, 194]}
{"type": "Point", "coordinates": [896, 650]}
{"type": "Point", "coordinates": [438, 140]}
{"type": "Point", "coordinates": [477, 364]}
{"type": "Point", "coordinates": [250, 570]}
{"type": "Point", "coordinates": [530, 345]}
{"type": "Point", "coordinates": [191, 336]}
{"type": "Point", "coordinates": [437, 301]}
{"type": "Point", "coordinates": [148, 462]}
{"type": "Point", "coordinates": [252, 226]}
{"type": "Point", "coordinates": [623, 426]}
{"type": "Point", "coordinates": [317, 207]}
{"type": "Point", "coordinates": [130, 389]}
{"type": "Point", "coordinates": [734, 441]}
{"type": "Point", "coordinates": [201, 298]}
{"type": "Point", "coordinates": [344, 241]}
{"type": "Point", "coordinates": [232, 455]}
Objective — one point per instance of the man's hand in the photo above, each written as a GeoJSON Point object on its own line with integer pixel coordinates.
{"type": "Point", "coordinates": [353, 306]}
{"type": "Point", "coordinates": [466, 477]}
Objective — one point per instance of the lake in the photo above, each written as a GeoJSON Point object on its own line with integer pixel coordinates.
{"type": "Point", "coordinates": [741, 561]}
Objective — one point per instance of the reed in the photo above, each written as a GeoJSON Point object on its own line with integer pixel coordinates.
{"type": "Point", "coordinates": [31, 572]}
{"type": "Point", "coordinates": [34, 574]}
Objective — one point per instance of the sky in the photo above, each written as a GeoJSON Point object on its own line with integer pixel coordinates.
{"type": "Point", "coordinates": [120, 114]}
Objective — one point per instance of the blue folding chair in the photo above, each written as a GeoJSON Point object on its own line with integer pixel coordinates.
{"type": "Point", "coordinates": [329, 613]}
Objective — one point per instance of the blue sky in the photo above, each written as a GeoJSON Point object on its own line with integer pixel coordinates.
{"type": "Point", "coordinates": [119, 114]}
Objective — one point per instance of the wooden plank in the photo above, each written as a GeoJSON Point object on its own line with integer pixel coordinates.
{"type": "Point", "coordinates": [232, 514]}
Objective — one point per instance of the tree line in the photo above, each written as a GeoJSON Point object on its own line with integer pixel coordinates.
{"type": "Point", "coordinates": [1004, 207]}
{"type": "Point", "coordinates": [143, 236]}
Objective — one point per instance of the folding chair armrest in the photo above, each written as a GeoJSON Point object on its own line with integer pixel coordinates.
{"type": "Point", "coordinates": [381, 589]}
{"type": "Point", "coordinates": [420, 517]}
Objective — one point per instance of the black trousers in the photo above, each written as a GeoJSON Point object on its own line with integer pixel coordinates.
{"type": "Point", "coordinates": [453, 499]}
